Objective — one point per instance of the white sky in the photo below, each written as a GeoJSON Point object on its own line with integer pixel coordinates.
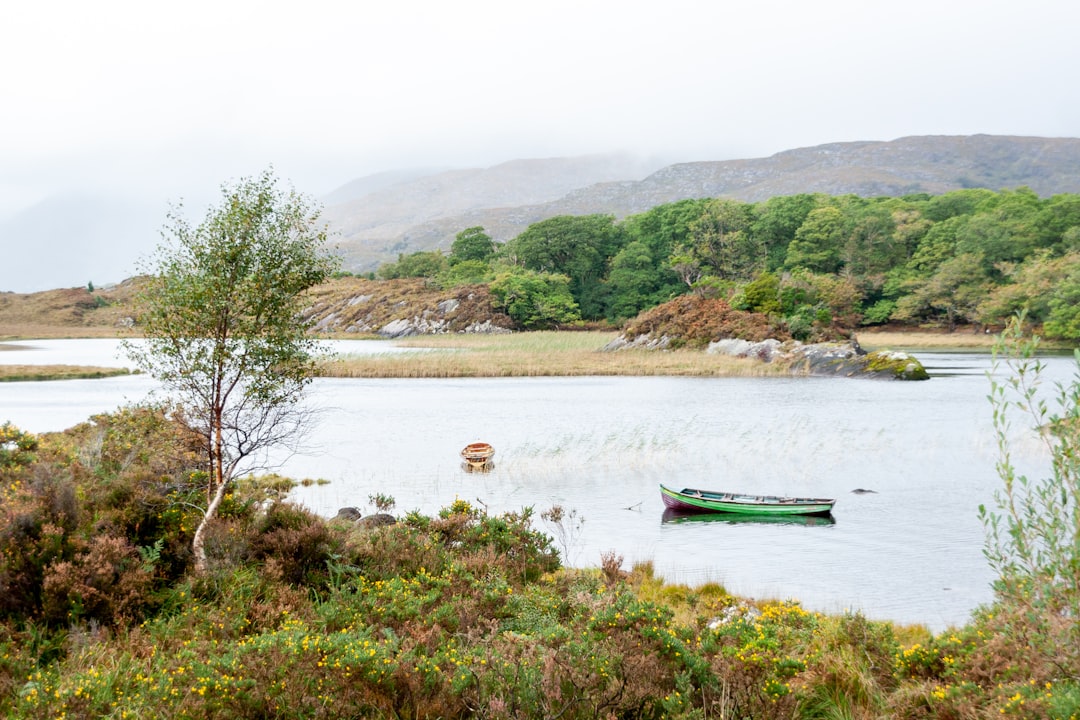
{"type": "Point", "coordinates": [169, 100]}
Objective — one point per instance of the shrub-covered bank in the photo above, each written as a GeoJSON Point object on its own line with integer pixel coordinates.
{"type": "Point", "coordinates": [459, 615]}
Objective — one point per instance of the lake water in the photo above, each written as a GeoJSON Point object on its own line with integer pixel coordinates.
{"type": "Point", "coordinates": [910, 551]}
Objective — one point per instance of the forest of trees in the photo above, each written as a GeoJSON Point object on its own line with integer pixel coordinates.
{"type": "Point", "coordinates": [965, 258]}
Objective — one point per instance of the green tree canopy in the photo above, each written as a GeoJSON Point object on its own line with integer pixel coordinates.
{"type": "Point", "coordinates": [1063, 320]}
{"type": "Point", "coordinates": [776, 222]}
{"type": "Point", "coordinates": [871, 245]}
{"type": "Point", "coordinates": [534, 300]}
{"type": "Point", "coordinates": [578, 247]}
{"type": "Point", "coordinates": [951, 295]}
{"type": "Point", "coordinates": [722, 243]}
{"type": "Point", "coordinates": [817, 243]}
{"type": "Point", "coordinates": [423, 263]}
{"type": "Point", "coordinates": [632, 282]}
{"type": "Point", "coordinates": [665, 226]}
{"type": "Point", "coordinates": [471, 244]}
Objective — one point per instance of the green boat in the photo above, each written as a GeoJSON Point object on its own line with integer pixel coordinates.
{"type": "Point", "coordinates": [709, 501]}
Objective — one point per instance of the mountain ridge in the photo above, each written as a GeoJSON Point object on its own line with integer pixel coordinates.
{"type": "Point", "coordinates": [931, 164]}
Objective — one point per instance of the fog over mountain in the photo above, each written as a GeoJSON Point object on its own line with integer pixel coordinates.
{"type": "Point", "coordinates": [73, 239]}
{"type": "Point", "coordinates": [77, 238]}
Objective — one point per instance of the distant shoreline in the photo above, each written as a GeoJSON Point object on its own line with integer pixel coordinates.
{"type": "Point", "coordinates": [530, 354]}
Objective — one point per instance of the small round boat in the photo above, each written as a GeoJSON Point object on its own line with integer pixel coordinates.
{"type": "Point", "coordinates": [478, 454]}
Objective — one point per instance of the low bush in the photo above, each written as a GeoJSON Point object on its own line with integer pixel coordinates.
{"type": "Point", "coordinates": [694, 322]}
{"type": "Point", "coordinates": [460, 615]}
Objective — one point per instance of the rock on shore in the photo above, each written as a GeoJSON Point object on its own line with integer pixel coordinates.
{"type": "Point", "coordinates": [845, 359]}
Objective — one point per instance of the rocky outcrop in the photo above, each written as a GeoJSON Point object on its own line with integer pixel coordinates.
{"type": "Point", "coordinates": [431, 324]}
{"type": "Point", "coordinates": [845, 359]}
{"type": "Point", "coordinates": [641, 342]}
{"type": "Point", "coordinates": [400, 308]}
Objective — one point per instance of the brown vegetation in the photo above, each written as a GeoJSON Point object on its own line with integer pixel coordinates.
{"type": "Point", "coordinates": [69, 312]}
{"type": "Point", "coordinates": [898, 337]}
{"type": "Point", "coordinates": [694, 321]}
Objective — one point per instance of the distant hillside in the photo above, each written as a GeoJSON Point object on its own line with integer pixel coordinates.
{"type": "Point", "coordinates": [377, 216]}
{"type": "Point", "coordinates": [68, 312]}
{"type": "Point", "coordinates": [426, 213]}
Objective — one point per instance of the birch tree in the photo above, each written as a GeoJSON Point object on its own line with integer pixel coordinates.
{"type": "Point", "coordinates": [222, 328]}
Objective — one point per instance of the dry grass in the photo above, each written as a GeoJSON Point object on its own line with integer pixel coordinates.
{"type": "Point", "coordinates": [22, 373]}
{"type": "Point", "coordinates": [537, 354]}
{"type": "Point", "coordinates": [925, 340]}
{"type": "Point", "coordinates": [41, 331]}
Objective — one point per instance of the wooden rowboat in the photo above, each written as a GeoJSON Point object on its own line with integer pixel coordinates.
{"type": "Point", "coordinates": [708, 501]}
{"type": "Point", "coordinates": [477, 454]}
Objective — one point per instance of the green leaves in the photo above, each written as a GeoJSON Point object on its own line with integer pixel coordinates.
{"type": "Point", "coordinates": [16, 447]}
{"type": "Point", "coordinates": [1033, 531]}
{"type": "Point", "coordinates": [535, 300]}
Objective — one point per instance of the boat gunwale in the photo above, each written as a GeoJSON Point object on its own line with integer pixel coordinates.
{"type": "Point", "coordinates": [695, 500]}
{"type": "Point", "coordinates": [478, 450]}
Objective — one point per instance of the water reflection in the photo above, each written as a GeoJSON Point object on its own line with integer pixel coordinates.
{"type": "Point", "coordinates": [487, 467]}
{"type": "Point", "coordinates": [674, 517]}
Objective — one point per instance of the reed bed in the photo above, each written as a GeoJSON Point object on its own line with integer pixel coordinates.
{"type": "Point", "coordinates": [927, 340]}
{"type": "Point", "coordinates": [23, 373]}
{"type": "Point", "coordinates": [536, 354]}
{"type": "Point", "coordinates": [10, 330]}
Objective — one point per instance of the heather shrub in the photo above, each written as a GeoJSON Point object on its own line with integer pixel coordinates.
{"type": "Point", "coordinates": [16, 661]}
{"type": "Point", "coordinates": [107, 582]}
{"type": "Point", "coordinates": [78, 514]}
{"type": "Point", "coordinates": [693, 321]}
{"type": "Point", "coordinates": [293, 544]}
{"type": "Point", "coordinates": [139, 470]}
{"type": "Point", "coordinates": [37, 522]}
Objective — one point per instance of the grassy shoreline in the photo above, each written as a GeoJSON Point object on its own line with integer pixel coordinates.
{"type": "Point", "coordinates": [545, 354]}
{"type": "Point", "coordinates": [555, 353]}
{"type": "Point", "coordinates": [27, 373]}
{"type": "Point", "coordinates": [535, 354]}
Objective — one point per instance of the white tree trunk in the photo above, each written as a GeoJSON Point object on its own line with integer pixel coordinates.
{"type": "Point", "coordinates": [198, 543]}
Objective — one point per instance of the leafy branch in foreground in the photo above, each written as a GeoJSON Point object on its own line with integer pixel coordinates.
{"type": "Point", "coordinates": [1033, 534]}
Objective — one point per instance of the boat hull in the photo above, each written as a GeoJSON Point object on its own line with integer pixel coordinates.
{"type": "Point", "coordinates": [478, 455]}
{"type": "Point", "coordinates": [677, 517]}
{"type": "Point", "coordinates": [690, 500]}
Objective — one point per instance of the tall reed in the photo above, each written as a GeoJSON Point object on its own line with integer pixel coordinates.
{"type": "Point", "coordinates": [536, 354]}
